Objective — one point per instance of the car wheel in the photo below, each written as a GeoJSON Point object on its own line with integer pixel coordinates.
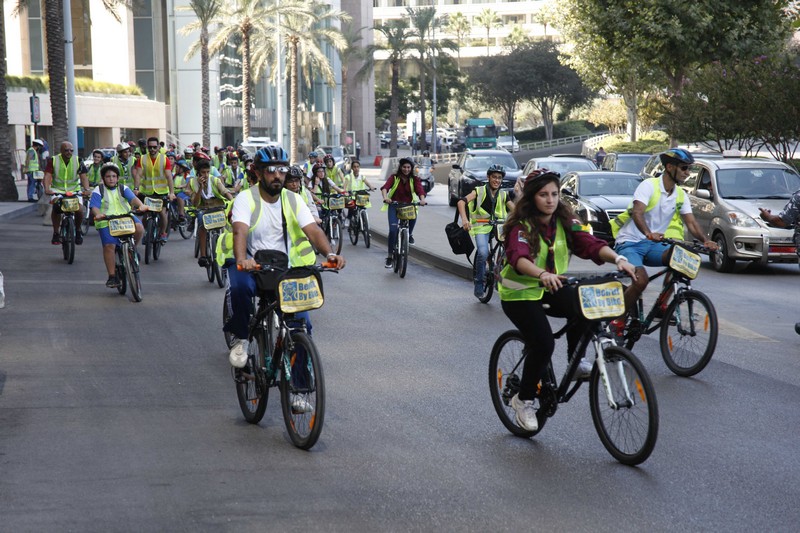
{"type": "Point", "coordinates": [720, 259]}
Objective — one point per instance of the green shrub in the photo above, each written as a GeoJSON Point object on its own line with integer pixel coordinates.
{"type": "Point", "coordinates": [84, 85]}
{"type": "Point", "coordinates": [648, 143]}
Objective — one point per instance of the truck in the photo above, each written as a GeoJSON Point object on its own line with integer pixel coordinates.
{"type": "Point", "coordinates": [480, 133]}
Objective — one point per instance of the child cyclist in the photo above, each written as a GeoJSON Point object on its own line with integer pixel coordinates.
{"type": "Point", "coordinates": [353, 182]}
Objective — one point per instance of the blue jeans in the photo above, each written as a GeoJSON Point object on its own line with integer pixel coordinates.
{"type": "Point", "coordinates": [394, 229]}
{"type": "Point", "coordinates": [641, 253]}
{"type": "Point", "coordinates": [481, 254]}
{"type": "Point", "coordinates": [31, 186]}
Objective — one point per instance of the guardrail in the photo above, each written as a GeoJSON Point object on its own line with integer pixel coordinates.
{"type": "Point", "coordinates": [560, 142]}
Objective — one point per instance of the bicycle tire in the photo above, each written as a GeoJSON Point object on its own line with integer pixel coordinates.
{"type": "Point", "coordinates": [403, 256]}
{"type": "Point", "coordinates": [184, 229]}
{"type": "Point", "coordinates": [505, 373]}
{"type": "Point", "coordinates": [39, 190]}
{"type": "Point", "coordinates": [252, 388]}
{"type": "Point", "coordinates": [336, 235]}
{"type": "Point", "coordinates": [119, 267]}
{"type": "Point", "coordinates": [68, 240]}
{"type": "Point", "coordinates": [353, 230]}
{"type": "Point", "coordinates": [488, 280]}
{"type": "Point", "coordinates": [213, 258]}
{"type": "Point", "coordinates": [157, 242]}
{"type": "Point", "coordinates": [209, 267]}
{"type": "Point", "coordinates": [230, 338]}
{"type": "Point", "coordinates": [365, 227]}
{"type": "Point", "coordinates": [622, 433]}
{"type": "Point", "coordinates": [196, 247]}
{"type": "Point", "coordinates": [85, 223]}
{"type": "Point", "coordinates": [688, 338]}
{"type": "Point", "coordinates": [308, 384]}
{"type": "Point", "coordinates": [148, 240]}
{"type": "Point", "coordinates": [132, 269]}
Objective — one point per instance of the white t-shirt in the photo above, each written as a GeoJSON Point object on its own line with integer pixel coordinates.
{"type": "Point", "coordinates": [659, 217]}
{"type": "Point", "coordinates": [268, 235]}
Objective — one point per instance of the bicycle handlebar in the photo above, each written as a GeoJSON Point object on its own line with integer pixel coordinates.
{"type": "Point", "coordinates": [694, 246]}
{"type": "Point", "coordinates": [608, 276]}
{"type": "Point", "coordinates": [327, 266]}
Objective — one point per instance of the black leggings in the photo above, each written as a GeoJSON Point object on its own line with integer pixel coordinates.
{"type": "Point", "coordinates": [530, 318]}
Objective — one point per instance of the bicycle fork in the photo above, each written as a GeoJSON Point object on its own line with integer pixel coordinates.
{"type": "Point", "coordinates": [627, 401]}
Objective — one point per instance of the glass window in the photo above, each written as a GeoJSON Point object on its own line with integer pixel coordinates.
{"type": "Point", "coordinates": [147, 81]}
{"type": "Point", "coordinates": [143, 43]}
{"type": "Point", "coordinates": [142, 8]}
{"type": "Point", "coordinates": [37, 46]}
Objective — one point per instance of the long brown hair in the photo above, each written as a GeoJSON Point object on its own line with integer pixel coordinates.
{"type": "Point", "coordinates": [525, 211]}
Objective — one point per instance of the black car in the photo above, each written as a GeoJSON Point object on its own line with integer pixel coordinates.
{"type": "Point", "coordinates": [469, 171]}
{"type": "Point", "coordinates": [623, 162]}
{"type": "Point", "coordinates": [597, 196]}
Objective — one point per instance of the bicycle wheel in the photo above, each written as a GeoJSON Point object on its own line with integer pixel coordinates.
{"type": "Point", "coordinates": [336, 234]}
{"type": "Point", "coordinates": [39, 190]}
{"type": "Point", "coordinates": [157, 242]}
{"type": "Point", "coordinates": [628, 429]}
{"type": "Point", "coordinates": [217, 271]}
{"type": "Point", "coordinates": [488, 280]}
{"type": "Point", "coordinates": [148, 239]}
{"type": "Point", "coordinates": [131, 262]}
{"type": "Point", "coordinates": [303, 396]}
{"type": "Point", "coordinates": [252, 388]}
{"type": "Point", "coordinates": [353, 230]}
{"type": "Point", "coordinates": [68, 239]}
{"type": "Point", "coordinates": [403, 257]}
{"type": "Point", "coordinates": [226, 316]}
{"type": "Point", "coordinates": [505, 375]}
{"type": "Point", "coordinates": [185, 228]}
{"type": "Point", "coordinates": [365, 227]}
{"type": "Point", "coordinates": [689, 332]}
{"type": "Point", "coordinates": [85, 223]}
{"type": "Point", "coordinates": [122, 279]}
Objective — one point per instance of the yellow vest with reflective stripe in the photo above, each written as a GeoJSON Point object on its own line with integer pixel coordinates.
{"type": "Point", "coordinates": [94, 175]}
{"type": "Point", "coordinates": [414, 197]}
{"type": "Point", "coordinates": [126, 170]}
{"type": "Point", "coordinates": [154, 179]}
{"type": "Point", "coordinates": [215, 188]}
{"type": "Point", "coordinates": [515, 286]}
{"type": "Point", "coordinates": [335, 175]}
{"type": "Point", "coordinates": [113, 203]}
{"type": "Point", "coordinates": [65, 177]}
{"type": "Point", "coordinates": [500, 211]}
{"type": "Point", "coordinates": [32, 163]}
{"type": "Point", "coordinates": [675, 228]}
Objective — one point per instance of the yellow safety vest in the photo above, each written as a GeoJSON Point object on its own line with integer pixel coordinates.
{"type": "Point", "coordinates": [515, 286]}
{"type": "Point", "coordinates": [65, 176]}
{"type": "Point", "coordinates": [32, 163]}
{"type": "Point", "coordinates": [335, 175]}
{"type": "Point", "coordinates": [232, 176]}
{"type": "Point", "coordinates": [126, 170]}
{"type": "Point", "coordinates": [154, 180]}
{"type": "Point", "coordinates": [500, 211]}
{"type": "Point", "coordinates": [113, 203]}
{"type": "Point", "coordinates": [675, 228]}
{"type": "Point", "coordinates": [414, 197]}
{"type": "Point", "coordinates": [94, 175]}
{"type": "Point", "coordinates": [216, 183]}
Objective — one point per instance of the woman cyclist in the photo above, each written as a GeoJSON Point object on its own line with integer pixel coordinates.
{"type": "Point", "coordinates": [401, 187]}
{"type": "Point", "coordinates": [540, 234]}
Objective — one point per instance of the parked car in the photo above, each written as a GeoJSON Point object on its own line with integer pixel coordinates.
{"type": "Point", "coordinates": [559, 163]}
{"type": "Point", "coordinates": [108, 153]}
{"type": "Point", "coordinates": [341, 159]}
{"type": "Point", "coordinates": [508, 143]}
{"type": "Point", "coordinates": [625, 162]}
{"type": "Point", "coordinates": [385, 139]}
{"type": "Point", "coordinates": [470, 171]}
{"type": "Point", "coordinates": [598, 196]}
{"type": "Point", "coordinates": [725, 200]}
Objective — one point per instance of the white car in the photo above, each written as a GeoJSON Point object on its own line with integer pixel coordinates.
{"type": "Point", "coordinates": [508, 143]}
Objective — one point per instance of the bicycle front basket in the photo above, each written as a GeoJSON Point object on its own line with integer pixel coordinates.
{"type": "Point", "coordinates": [407, 212]}
{"type": "Point", "coordinates": [70, 204]}
{"type": "Point", "coordinates": [601, 300]}
{"type": "Point", "coordinates": [336, 203]}
{"type": "Point", "coordinates": [362, 199]}
{"type": "Point", "coordinates": [214, 220]}
{"type": "Point", "coordinates": [683, 261]}
{"type": "Point", "coordinates": [119, 227]}
{"type": "Point", "coordinates": [300, 289]}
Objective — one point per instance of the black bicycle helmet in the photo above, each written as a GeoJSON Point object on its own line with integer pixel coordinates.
{"type": "Point", "coordinates": [676, 156]}
{"type": "Point", "coordinates": [496, 168]}
{"type": "Point", "coordinates": [108, 166]}
{"type": "Point", "coordinates": [270, 155]}
{"type": "Point", "coordinates": [295, 172]}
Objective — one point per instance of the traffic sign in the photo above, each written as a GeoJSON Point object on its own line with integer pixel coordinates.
{"type": "Point", "coordinates": [35, 115]}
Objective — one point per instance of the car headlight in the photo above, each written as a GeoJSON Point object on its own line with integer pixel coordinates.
{"type": "Point", "coordinates": [737, 218]}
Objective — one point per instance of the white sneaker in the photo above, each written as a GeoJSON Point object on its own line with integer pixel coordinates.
{"type": "Point", "coordinates": [526, 414]}
{"type": "Point", "coordinates": [238, 355]}
{"type": "Point", "coordinates": [300, 405]}
{"type": "Point", "coordinates": [584, 369]}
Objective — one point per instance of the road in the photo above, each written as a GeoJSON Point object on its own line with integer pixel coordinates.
{"type": "Point", "coordinates": [117, 416]}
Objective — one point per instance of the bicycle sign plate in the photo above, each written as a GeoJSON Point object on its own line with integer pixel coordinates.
{"type": "Point", "coordinates": [362, 199]}
{"type": "Point", "coordinates": [336, 203]}
{"type": "Point", "coordinates": [684, 261]}
{"type": "Point", "coordinates": [601, 300]}
{"type": "Point", "coordinates": [38, 175]}
{"type": "Point", "coordinates": [214, 220]}
{"type": "Point", "coordinates": [118, 227]}
{"type": "Point", "coordinates": [300, 294]}
{"type": "Point", "coordinates": [70, 205]}
{"type": "Point", "coordinates": [407, 212]}
{"type": "Point", "coordinates": [153, 204]}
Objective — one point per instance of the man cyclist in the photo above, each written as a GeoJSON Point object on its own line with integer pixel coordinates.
{"type": "Point", "coordinates": [154, 176]}
{"type": "Point", "coordinates": [206, 191]}
{"type": "Point", "coordinates": [124, 163]}
{"type": "Point", "coordinates": [65, 173]}
{"type": "Point", "coordinates": [233, 174]}
{"type": "Point", "coordinates": [400, 187]}
{"type": "Point", "coordinates": [484, 202]}
{"type": "Point", "coordinates": [267, 217]}
{"type": "Point", "coordinates": [33, 164]}
{"type": "Point", "coordinates": [659, 210]}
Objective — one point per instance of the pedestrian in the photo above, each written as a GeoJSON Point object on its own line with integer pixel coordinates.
{"type": "Point", "coordinates": [358, 150]}
{"type": "Point", "coordinates": [599, 156]}
{"type": "Point", "coordinates": [33, 165]}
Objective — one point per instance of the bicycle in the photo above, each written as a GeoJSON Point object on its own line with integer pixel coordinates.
{"type": "Point", "coordinates": [69, 203]}
{"type": "Point", "coordinates": [688, 321]}
{"type": "Point", "coordinates": [494, 261]}
{"type": "Point", "coordinates": [281, 353]}
{"type": "Point", "coordinates": [87, 217]}
{"type": "Point", "coordinates": [621, 396]}
{"type": "Point", "coordinates": [359, 222]}
{"type": "Point", "coordinates": [331, 222]}
{"type": "Point", "coordinates": [213, 220]}
{"type": "Point", "coordinates": [152, 227]}
{"type": "Point", "coordinates": [175, 221]}
{"type": "Point", "coordinates": [127, 259]}
{"type": "Point", "coordinates": [405, 213]}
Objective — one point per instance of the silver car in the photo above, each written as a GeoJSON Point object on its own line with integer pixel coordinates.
{"type": "Point", "coordinates": [725, 200]}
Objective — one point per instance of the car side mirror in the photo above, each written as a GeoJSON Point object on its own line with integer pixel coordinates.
{"type": "Point", "coordinates": [456, 167]}
{"type": "Point", "coordinates": [568, 191]}
{"type": "Point", "coordinates": [705, 194]}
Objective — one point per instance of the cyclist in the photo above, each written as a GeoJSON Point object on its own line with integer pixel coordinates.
{"type": "Point", "coordinates": [308, 166]}
{"type": "Point", "coordinates": [321, 184]}
{"type": "Point", "coordinates": [154, 176]}
{"type": "Point", "coordinates": [233, 173]}
{"type": "Point", "coordinates": [401, 187]}
{"type": "Point", "coordinates": [65, 173]}
{"type": "Point", "coordinates": [354, 181]}
{"type": "Point", "coordinates": [267, 217]}
{"type": "Point", "coordinates": [332, 172]}
{"type": "Point", "coordinates": [124, 163]}
{"type": "Point", "coordinates": [206, 191]}
{"type": "Point", "coordinates": [180, 181]}
{"type": "Point", "coordinates": [659, 209]}
{"type": "Point", "coordinates": [294, 182]}
{"type": "Point", "coordinates": [540, 235]}
{"type": "Point", "coordinates": [93, 172]}
{"type": "Point", "coordinates": [32, 164]}
{"type": "Point", "coordinates": [484, 202]}
{"type": "Point", "coordinates": [111, 198]}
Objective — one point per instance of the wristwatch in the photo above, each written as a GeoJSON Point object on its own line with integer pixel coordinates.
{"type": "Point", "coordinates": [330, 255]}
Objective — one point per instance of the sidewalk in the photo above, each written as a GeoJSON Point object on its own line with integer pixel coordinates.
{"type": "Point", "coordinates": [11, 210]}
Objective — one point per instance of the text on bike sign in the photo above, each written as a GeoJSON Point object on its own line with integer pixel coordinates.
{"type": "Point", "coordinates": [604, 300]}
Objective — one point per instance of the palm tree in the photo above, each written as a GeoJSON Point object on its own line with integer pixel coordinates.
{"type": "Point", "coordinates": [206, 12]}
{"type": "Point", "coordinates": [351, 52]}
{"type": "Point", "coordinates": [459, 25]}
{"type": "Point", "coordinates": [56, 69]}
{"type": "Point", "coordinates": [423, 21]}
{"type": "Point", "coordinates": [8, 189]}
{"type": "Point", "coordinates": [516, 37]}
{"type": "Point", "coordinates": [398, 42]}
{"type": "Point", "coordinates": [488, 18]}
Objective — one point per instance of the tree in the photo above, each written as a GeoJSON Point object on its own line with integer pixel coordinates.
{"type": "Point", "coordinates": [547, 15]}
{"type": "Point", "coordinates": [54, 41]}
{"type": "Point", "coordinates": [8, 189]}
{"type": "Point", "coordinates": [504, 96]}
{"type": "Point", "coordinates": [206, 12]}
{"type": "Point", "coordinates": [488, 18]}
{"type": "Point", "coordinates": [458, 25]}
{"type": "Point", "coordinates": [398, 43]}
{"type": "Point", "coordinates": [352, 51]}
{"type": "Point", "coordinates": [516, 37]}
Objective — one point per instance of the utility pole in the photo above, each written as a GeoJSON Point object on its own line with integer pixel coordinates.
{"type": "Point", "coordinates": [69, 64]}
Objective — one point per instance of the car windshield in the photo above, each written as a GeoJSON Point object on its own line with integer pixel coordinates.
{"type": "Point", "coordinates": [757, 183]}
{"type": "Point", "coordinates": [479, 161]}
{"type": "Point", "coordinates": [563, 166]}
{"type": "Point", "coordinates": [505, 139]}
{"type": "Point", "coordinates": [631, 163]}
{"type": "Point", "coordinates": [608, 186]}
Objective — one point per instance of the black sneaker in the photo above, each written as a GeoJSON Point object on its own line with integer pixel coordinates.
{"type": "Point", "coordinates": [203, 261]}
{"type": "Point", "coordinates": [78, 238]}
{"type": "Point", "coordinates": [410, 239]}
{"type": "Point", "coordinates": [388, 262]}
{"type": "Point", "coordinates": [112, 282]}
{"type": "Point", "coordinates": [56, 239]}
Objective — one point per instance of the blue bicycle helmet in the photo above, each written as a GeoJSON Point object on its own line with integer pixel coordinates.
{"type": "Point", "coordinates": [312, 154]}
{"type": "Point", "coordinates": [270, 155]}
{"type": "Point", "coordinates": [676, 156]}
{"type": "Point", "coordinates": [496, 168]}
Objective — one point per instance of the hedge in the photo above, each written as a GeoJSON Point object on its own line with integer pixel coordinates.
{"type": "Point", "coordinates": [82, 85]}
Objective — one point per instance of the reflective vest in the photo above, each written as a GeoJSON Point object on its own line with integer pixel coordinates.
{"type": "Point", "coordinates": [414, 197]}
{"type": "Point", "coordinates": [356, 183]}
{"type": "Point", "coordinates": [232, 176]}
{"type": "Point", "coordinates": [675, 228]}
{"type": "Point", "coordinates": [215, 161]}
{"type": "Point", "coordinates": [65, 177]}
{"type": "Point", "coordinates": [113, 203]}
{"type": "Point", "coordinates": [179, 182]}
{"type": "Point", "coordinates": [154, 179]}
{"type": "Point", "coordinates": [94, 175]}
{"type": "Point", "coordinates": [335, 175]}
{"type": "Point", "coordinates": [515, 286]}
{"type": "Point", "coordinates": [216, 184]}
{"type": "Point", "coordinates": [126, 170]}
{"type": "Point", "coordinates": [500, 211]}
{"type": "Point", "coordinates": [32, 163]}
{"type": "Point", "coordinates": [300, 254]}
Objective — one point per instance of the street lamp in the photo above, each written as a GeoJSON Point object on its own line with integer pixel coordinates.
{"type": "Point", "coordinates": [434, 137]}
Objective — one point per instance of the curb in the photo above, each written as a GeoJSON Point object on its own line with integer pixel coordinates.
{"type": "Point", "coordinates": [22, 211]}
{"type": "Point", "coordinates": [432, 259]}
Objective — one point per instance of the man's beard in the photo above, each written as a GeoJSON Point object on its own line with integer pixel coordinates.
{"type": "Point", "coordinates": [273, 188]}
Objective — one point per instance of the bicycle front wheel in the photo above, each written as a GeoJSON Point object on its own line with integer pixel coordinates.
{"type": "Point", "coordinates": [303, 395]}
{"type": "Point", "coordinates": [213, 258]}
{"type": "Point", "coordinates": [488, 280]}
{"type": "Point", "coordinates": [131, 263]}
{"type": "Point", "coordinates": [68, 239]}
{"type": "Point", "coordinates": [226, 316]}
{"type": "Point", "coordinates": [148, 239]}
{"type": "Point", "coordinates": [336, 234]}
{"type": "Point", "coordinates": [85, 223]}
{"type": "Point", "coordinates": [184, 229]}
{"type": "Point", "coordinates": [353, 230]}
{"type": "Point", "coordinates": [252, 388]}
{"type": "Point", "coordinates": [689, 332]}
{"type": "Point", "coordinates": [365, 227]}
{"type": "Point", "coordinates": [627, 421]}
{"type": "Point", "coordinates": [402, 259]}
{"type": "Point", "coordinates": [122, 276]}
{"type": "Point", "coordinates": [157, 242]}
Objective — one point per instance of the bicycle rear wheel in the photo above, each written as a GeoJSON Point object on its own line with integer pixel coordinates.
{"type": "Point", "coordinates": [365, 227]}
{"type": "Point", "coordinates": [252, 387]}
{"type": "Point", "coordinates": [226, 316]}
{"type": "Point", "coordinates": [402, 259]}
{"type": "Point", "coordinates": [148, 239]}
{"type": "Point", "coordinates": [131, 263]}
{"type": "Point", "coordinates": [68, 239]}
{"type": "Point", "coordinates": [689, 333]}
{"type": "Point", "coordinates": [353, 230]}
{"type": "Point", "coordinates": [303, 396]}
{"type": "Point", "coordinates": [629, 428]}
{"type": "Point", "coordinates": [336, 234]}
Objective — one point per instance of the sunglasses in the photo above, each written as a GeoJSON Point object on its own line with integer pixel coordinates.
{"type": "Point", "coordinates": [684, 167]}
{"type": "Point", "coordinates": [67, 150]}
{"type": "Point", "coordinates": [152, 147]}
{"type": "Point", "coordinates": [273, 169]}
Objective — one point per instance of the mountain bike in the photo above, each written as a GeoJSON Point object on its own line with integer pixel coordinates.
{"type": "Point", "coordinates": [359, 222]}
{"type": "Point", "coordinates": [686, 317]}
{"type": "Point", "coordinates": [331, 222]}
{"type": "Point", "coordinates": [281, 353]}
{"type": "Point", "coordinates": [621, 396]}
{"type": "Point", "coordinates": [405, 213]}
{"type": "Point", "coordinates": [127, 259]}
{"type": "Point", "coordinates": [213, 220]}
{"type": "Point", "coordinates": [152, 227]}
{"type": "Point", "coordinates": [175, 221]}
{"type": "Point", "coordinates": [69, 203]}
{"type": "Point", "coordinates": [494, 261]}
